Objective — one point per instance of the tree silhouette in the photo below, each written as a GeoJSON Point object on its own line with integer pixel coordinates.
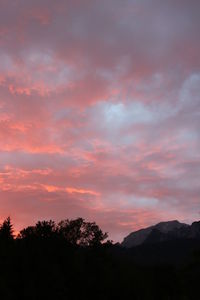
{"type": "Point", "coordinates": [71, 230]}
{"type": "Point", "coordinates": [45, 229]}
{"type": "Point", "coordinates": [92, 234]}
{"type": "Point", "coordinates": [6, 230]}
{"type": "Point", "coordinates": [42, 230]}
{"type": "Point", "coordinates": [79, 232]}
{"type": "Point", "coordinates": [27, 233]}
{"type": "Point", "coordinates": [75, 232]}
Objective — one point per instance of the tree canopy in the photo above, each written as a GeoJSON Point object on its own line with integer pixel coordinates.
{"type": "Point", "coordinates": [75, 232]}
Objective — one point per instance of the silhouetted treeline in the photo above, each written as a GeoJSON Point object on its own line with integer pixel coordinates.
{"type": "Point", "coordinates": [74, 260]}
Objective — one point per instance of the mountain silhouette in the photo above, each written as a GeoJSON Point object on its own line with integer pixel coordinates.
{"type": "Point", "coordinates": [162, 232]}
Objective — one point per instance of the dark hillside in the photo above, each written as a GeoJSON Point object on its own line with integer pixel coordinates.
{"type": "Point", "coordinates": [70, 260]}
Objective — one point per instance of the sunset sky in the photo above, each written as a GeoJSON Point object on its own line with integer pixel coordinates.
{"type": "Point", "coordinates": [100, 112]}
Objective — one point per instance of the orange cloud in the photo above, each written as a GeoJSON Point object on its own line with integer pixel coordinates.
{"type": "Point", "coordinates": [72, 190]}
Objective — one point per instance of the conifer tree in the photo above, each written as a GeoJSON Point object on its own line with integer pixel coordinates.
{"type": "Point", "coordinates": [6, 230]}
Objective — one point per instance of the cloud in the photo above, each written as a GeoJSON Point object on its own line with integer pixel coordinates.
{"type": "Point", "coordinates": [99, 111]}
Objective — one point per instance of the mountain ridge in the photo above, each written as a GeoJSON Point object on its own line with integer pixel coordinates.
{"type": "Point", "coordinates": [163, 231]}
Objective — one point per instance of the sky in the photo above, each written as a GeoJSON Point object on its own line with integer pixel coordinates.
{"type": "Point", "coordinates": [100, 112]}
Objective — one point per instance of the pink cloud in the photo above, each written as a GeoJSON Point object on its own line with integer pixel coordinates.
{"type": "Point", "coordinates": [99, 112]}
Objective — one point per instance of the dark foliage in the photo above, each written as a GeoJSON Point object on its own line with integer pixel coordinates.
{"type": "Point", "coordinates": [70, 260]}
{"type": "Point", "coordinates": [6, 230]}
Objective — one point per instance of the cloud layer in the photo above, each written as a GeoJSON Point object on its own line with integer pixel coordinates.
{"type": "Point", "coordinates": [100, 111]}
